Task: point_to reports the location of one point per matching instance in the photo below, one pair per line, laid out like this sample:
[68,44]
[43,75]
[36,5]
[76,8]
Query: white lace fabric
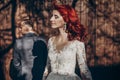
[64,61]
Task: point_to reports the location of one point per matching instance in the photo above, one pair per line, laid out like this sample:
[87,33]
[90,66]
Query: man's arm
[16,57]
[40,50]
[15,64]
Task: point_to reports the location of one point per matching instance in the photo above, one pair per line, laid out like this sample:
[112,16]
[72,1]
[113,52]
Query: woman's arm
[81,57]
[47,68]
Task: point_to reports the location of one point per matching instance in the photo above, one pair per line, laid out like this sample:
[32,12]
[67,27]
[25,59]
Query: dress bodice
[64,61]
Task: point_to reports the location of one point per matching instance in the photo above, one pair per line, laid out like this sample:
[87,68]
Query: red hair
[74,29]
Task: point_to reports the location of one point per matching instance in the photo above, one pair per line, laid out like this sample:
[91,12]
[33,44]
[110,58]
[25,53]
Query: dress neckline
[61,50]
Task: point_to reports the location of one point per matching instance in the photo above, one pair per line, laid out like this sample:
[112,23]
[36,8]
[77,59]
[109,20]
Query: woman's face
[57,20]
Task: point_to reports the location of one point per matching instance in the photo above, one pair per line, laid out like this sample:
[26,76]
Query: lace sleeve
[81,58]
[49,43]
[47,68]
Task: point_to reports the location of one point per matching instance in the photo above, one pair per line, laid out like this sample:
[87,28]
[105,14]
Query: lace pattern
[64,61]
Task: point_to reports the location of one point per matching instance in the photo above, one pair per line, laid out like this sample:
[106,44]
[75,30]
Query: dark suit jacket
[29,57]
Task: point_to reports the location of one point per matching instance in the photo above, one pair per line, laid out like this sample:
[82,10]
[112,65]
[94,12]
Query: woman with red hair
[66,47]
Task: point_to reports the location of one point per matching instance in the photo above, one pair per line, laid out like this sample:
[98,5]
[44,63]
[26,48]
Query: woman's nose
[51,19]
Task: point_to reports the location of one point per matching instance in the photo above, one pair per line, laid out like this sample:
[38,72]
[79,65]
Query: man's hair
[27,23]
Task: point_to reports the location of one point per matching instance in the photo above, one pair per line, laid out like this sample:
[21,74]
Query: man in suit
[29,50]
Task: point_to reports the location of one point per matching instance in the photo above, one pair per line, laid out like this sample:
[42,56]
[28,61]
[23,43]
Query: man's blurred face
[25,28]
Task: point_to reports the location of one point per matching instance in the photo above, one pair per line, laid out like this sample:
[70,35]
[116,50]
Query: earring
[65,25]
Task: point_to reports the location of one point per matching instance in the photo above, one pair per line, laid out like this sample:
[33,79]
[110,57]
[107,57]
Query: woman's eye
[56,17]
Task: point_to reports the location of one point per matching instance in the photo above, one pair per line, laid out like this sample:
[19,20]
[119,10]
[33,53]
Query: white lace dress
[63,63]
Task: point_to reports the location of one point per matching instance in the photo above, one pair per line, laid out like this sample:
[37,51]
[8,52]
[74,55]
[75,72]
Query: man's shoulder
[18,43]
[38,38]
[19,39]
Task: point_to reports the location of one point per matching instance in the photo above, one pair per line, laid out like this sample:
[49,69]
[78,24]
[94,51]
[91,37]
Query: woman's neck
[63,34]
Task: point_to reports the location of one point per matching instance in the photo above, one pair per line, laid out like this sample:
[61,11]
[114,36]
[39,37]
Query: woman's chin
[54,27]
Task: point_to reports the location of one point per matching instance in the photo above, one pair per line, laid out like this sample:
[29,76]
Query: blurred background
[100,17]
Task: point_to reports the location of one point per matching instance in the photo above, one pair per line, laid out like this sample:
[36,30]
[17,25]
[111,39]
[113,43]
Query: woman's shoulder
[51,38]
[79,42]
